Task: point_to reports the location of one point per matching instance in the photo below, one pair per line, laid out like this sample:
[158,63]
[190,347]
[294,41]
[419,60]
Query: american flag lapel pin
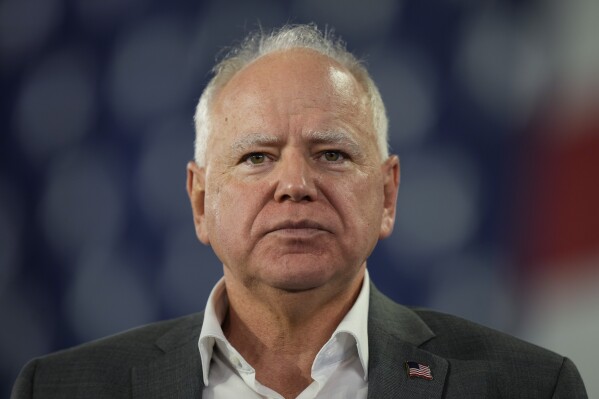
[417,370]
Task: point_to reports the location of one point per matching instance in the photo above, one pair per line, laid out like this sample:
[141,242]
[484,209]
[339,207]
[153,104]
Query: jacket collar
[178,372]
[395,334]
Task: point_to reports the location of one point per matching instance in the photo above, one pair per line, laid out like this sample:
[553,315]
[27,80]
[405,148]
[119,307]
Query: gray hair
[288,37]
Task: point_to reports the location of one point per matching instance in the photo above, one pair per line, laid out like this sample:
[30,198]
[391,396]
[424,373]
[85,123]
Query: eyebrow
[335,137]
[242,144]
[254,140]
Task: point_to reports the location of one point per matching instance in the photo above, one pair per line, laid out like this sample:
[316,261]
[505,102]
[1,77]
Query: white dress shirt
[340,369]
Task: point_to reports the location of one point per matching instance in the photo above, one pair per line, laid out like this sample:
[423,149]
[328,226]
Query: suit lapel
[394,334]
[178,372]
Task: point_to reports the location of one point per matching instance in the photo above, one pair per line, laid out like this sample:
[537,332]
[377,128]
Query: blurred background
[494,111]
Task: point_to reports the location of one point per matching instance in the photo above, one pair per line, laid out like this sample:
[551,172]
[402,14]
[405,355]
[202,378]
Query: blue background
[97,98]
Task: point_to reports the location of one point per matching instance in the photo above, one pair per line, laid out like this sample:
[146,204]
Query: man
[292,186]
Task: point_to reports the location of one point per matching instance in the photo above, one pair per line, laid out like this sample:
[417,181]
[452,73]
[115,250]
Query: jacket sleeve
[23,388]
[569,384]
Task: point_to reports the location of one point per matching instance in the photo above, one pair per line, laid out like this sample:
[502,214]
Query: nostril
[295,192]
[295,197]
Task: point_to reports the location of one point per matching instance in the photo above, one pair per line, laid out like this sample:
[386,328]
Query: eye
[255,158]
[333,156]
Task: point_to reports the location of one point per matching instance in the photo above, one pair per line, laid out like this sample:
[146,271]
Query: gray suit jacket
[466,361]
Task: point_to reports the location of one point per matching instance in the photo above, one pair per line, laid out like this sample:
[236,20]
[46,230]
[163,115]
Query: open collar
[394,331]
[353,324]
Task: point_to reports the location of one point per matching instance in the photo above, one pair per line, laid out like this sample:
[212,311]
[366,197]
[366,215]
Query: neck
[280,333]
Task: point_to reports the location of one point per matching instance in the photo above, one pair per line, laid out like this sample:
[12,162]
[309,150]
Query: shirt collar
[214,314]
[355,323]
[353,329]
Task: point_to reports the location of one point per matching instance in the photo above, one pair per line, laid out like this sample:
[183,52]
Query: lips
[296,227]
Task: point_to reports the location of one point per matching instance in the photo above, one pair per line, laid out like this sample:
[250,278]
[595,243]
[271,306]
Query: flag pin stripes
[417,370]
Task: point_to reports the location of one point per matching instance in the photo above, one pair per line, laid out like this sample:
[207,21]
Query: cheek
[229,212]
[364,202]
[213,207]
[218,208]
[224,225]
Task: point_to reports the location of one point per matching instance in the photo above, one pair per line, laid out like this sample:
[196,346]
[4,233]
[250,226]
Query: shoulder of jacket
[470,339]
[128,346]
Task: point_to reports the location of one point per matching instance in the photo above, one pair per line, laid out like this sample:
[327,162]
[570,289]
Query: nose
[295,180]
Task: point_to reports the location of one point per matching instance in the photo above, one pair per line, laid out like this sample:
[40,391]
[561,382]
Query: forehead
[289,82]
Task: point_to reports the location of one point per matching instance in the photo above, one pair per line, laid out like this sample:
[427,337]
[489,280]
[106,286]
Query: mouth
[302,228]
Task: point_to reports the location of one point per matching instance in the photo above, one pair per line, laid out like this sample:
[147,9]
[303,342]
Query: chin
[306,276]
[296,282]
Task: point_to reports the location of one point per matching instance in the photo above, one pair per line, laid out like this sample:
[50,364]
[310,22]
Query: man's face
[294,194]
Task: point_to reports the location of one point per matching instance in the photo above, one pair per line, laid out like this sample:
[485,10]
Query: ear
[196,189]
[390,169]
